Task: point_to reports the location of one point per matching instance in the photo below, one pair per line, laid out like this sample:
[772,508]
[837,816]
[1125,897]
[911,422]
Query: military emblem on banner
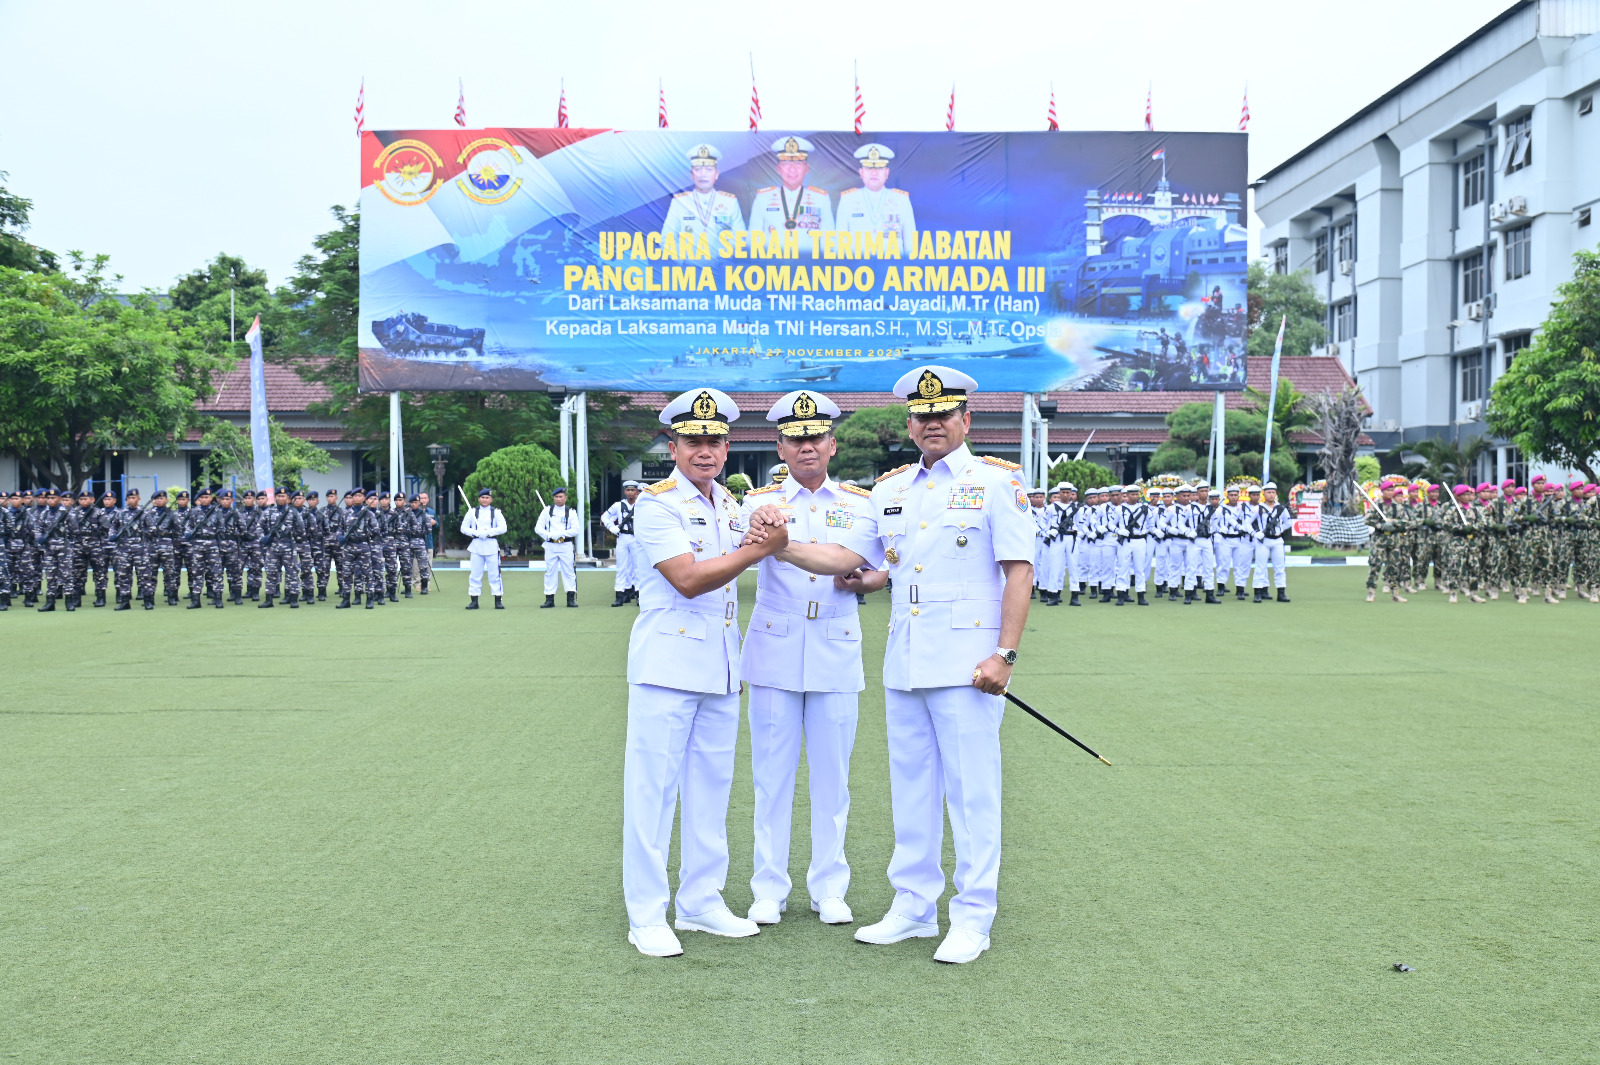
[489,170]
[966,497]
[408,172]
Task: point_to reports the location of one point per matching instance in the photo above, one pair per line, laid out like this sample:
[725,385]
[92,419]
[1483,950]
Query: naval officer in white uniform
[618,520]
[558,526]
[802,660]
[484,524]
[956,533]
[683,682]
[702,210]
[792,204]
[873,208]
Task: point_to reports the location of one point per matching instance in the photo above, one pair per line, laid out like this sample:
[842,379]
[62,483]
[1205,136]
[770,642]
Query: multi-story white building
[1439,219]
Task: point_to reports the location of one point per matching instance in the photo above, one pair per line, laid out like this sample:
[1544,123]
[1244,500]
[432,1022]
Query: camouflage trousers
[1461,564]
[91,555]
[1377,559]
[156,558]
[280,570]
[254,564]
[56,562]
[317,551]
[1560,557]
[233,564]
[5,569]
[389,547]
[306,569]
[1493,561]
[332,557]
[24,567]
[125,563]
[1427,551]
[416,554]
[183,561]
[205,569]
[1586,559]
[366,567]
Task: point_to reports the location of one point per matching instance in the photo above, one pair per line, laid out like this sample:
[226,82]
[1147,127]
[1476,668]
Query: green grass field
[394,836]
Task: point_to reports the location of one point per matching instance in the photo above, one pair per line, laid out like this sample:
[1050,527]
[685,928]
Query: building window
[1322,253]
[1516,465]
[1472,279]
[1519,143]
[1510,345]
[1280,258]
[1583,217]
[1586,104]
[1472,181]
[1345,241]
[1471,377]
[1519,252]
[1344,320]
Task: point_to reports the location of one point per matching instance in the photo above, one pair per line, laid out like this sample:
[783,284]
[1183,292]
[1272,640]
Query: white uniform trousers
[680,747]
[944,749]
[558,566]
[1270,553]
[1221,559]
[1161,559]
[778,720]
[1073,557]
[482,564]
[1199,566]
[1242,554]
[1133,564]
[629,557]
[1105,563]
[1055,565]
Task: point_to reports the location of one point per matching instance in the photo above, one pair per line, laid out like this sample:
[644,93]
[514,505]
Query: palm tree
[1291,412]
[1447,461]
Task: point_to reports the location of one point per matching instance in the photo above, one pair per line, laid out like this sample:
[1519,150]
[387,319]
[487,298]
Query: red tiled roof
[287,391]
[997,435]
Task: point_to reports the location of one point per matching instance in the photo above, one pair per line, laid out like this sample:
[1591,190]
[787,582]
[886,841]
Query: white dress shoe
[655,940]
[767,911]
[893,928]
[833,911]
[719,922]
[961,946]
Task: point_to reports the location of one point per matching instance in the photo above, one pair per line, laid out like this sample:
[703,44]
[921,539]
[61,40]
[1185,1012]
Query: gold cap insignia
[704,406]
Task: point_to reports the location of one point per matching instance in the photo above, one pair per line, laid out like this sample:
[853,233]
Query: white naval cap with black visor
[934,389]
[700,412]
[804,413]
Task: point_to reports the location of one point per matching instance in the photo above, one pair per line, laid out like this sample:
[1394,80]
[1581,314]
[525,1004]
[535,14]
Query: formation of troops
[1188,541]
[59,548]
[1485,540]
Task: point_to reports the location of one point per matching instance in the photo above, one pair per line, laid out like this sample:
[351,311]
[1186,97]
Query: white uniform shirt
[695,212]
[805,634]
[813,211]
[943,533]
[688,644]
[483,524]
[613,517]
[886,211]
[557,523]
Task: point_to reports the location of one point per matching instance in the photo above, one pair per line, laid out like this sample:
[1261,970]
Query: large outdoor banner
[659,260]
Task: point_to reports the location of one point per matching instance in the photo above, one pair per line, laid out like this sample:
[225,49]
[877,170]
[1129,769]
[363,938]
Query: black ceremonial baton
[1055,727]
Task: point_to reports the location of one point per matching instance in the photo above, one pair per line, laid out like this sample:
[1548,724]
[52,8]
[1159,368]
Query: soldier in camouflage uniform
[332,549]
[19,542]
[1586,563]
[250,508]
[115,522]
[417,544]
[304,532]
[358,538]
[183,514]
[89,547]
[230,545]
[9,510]
[206,526]
[32,560]
[390,544]
[1380,546]
[1492,539]
[317,529]
[278,522]
[52,536]
[159,529]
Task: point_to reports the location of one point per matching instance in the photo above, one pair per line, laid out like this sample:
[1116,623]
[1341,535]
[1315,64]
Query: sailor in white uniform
[1041,532]
[683,682]
[873,208]
[956,534]
[618,520]
[482,524]
[802,661]
[558,526]
[702,210]
[792,204]
[1276,521]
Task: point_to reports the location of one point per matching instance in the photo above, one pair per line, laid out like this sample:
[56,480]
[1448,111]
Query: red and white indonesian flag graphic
[1244,113]
[861,108]
[1149,115]
[361,109]
[950,112]
[461,104]
[1050,120]
[561,109]
[1159,153]
[661,106]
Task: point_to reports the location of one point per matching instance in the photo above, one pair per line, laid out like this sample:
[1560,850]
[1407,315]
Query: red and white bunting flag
[1244,112]
[755,97]
[361,108]
[861,108]
[461,104]
[1051,123]
[661,106]
[950,112]
[561,108]
[1149,115]
[1159,153]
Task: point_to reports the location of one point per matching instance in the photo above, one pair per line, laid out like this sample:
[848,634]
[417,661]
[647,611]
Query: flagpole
[1272,399]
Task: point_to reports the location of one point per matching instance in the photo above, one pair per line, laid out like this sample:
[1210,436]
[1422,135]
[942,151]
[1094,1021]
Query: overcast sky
[163,133]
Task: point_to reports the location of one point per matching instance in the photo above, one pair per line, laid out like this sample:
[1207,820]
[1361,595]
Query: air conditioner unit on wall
[1497,212]
[1472,411]
[1333,349]
[1517,205]
[1346,265]
[1391,426]
[1475,310]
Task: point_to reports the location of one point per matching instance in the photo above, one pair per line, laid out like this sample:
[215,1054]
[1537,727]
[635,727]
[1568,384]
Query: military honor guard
[702,210]
[484,524]
[558,526]
[802,661]
[1275,522]
[875,208]
[683,682]
[792,204]
[618,520]
[954,531]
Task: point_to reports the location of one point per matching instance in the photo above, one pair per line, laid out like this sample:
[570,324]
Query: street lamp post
[440,454]
[1118,454]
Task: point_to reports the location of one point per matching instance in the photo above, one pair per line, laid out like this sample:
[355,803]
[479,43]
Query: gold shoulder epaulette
[769,188]
[680,195]
[900,192]
[764,488]
[663,486]
[891,473]
[857,490]
[1002,463]
[813,188]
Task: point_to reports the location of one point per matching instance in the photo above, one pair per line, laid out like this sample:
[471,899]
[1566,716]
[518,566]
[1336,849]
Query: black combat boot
[344,603]
[424,589]
[49,605]
[1188,596]
[549,601]
[389,591]
[30,599]
[408,591]
[322,595]
[472,603]
[621,599]
[1283,595]
[293,601]
[1240,596]
[71,603]
[1142,600]
[1106,593]
[1033,593]
[5,600]
[1074,600]
[1161,590]
[1122,597]
[150,601]
[1260,596]
[237,599]
[572,598]
[254,596]
[124,602]
[216,600]
[99,598]
[499,603]
[370,603]
[267,605]
[1211,597]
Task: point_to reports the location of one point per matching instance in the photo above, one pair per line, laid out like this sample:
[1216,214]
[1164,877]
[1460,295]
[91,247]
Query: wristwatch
[1007,654]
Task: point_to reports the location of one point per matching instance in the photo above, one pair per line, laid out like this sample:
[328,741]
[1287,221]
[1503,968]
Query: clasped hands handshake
[769,530]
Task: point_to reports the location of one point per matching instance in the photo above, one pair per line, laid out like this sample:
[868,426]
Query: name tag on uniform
[966,497]
[891,510]
[697,521]
[840,519]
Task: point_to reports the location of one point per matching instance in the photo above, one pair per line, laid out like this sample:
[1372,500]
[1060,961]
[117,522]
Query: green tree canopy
[233,455]
[200,301]
[865,438]
[15,252]
[1271,296]
[518,474]
[1244,431]
[1082,473]
[83,371]
[1548,400]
